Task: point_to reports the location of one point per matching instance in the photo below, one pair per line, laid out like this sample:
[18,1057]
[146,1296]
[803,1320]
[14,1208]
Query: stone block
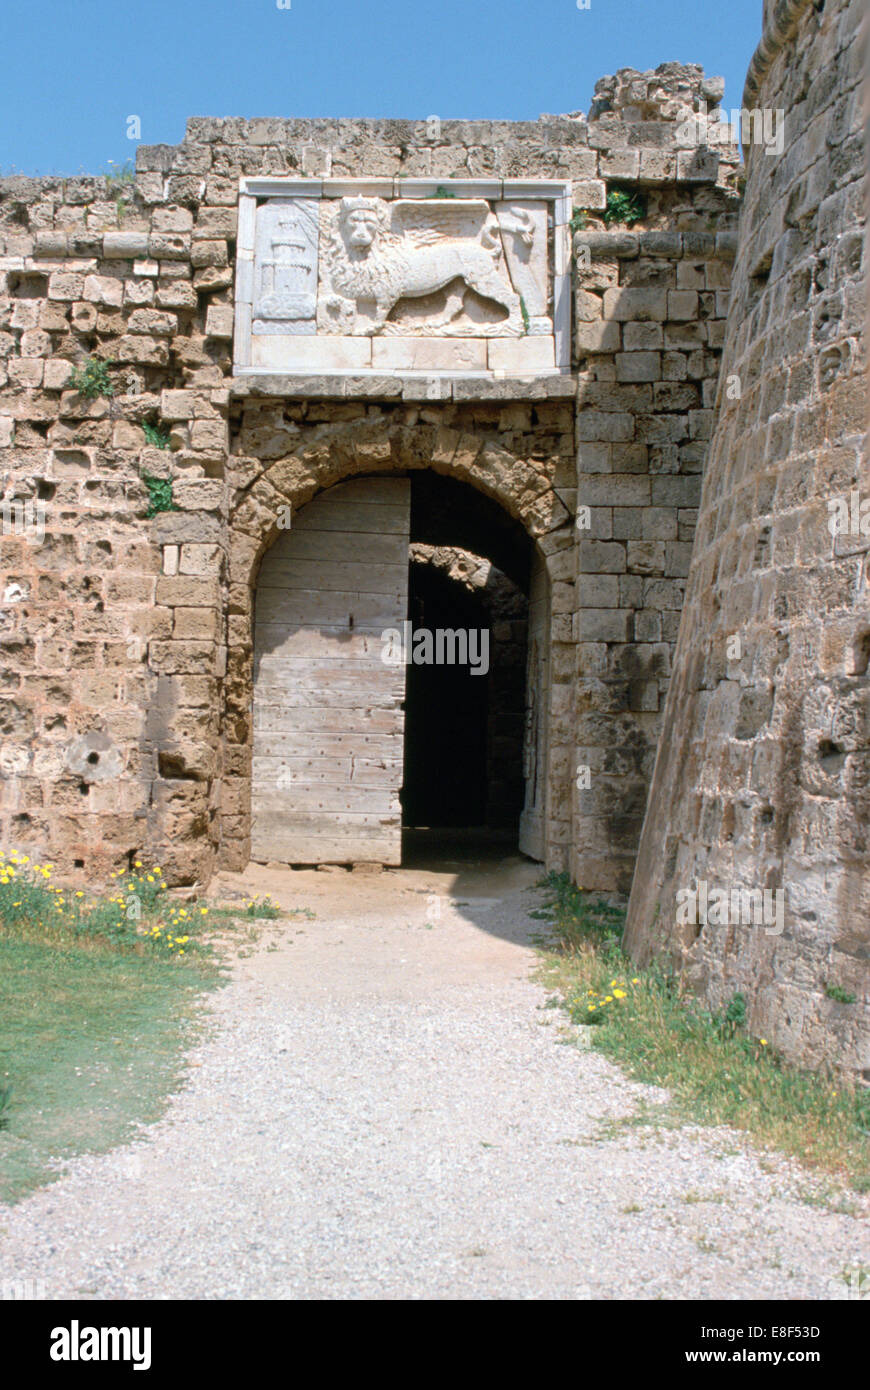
[639,337]
[682,305]
[604,426]
[599,557]
[285,352]
[103,289]
[219,321]
[529,354]
[597,337]
[66,286]
[638,366]
[428,354]
[603,625]
[589,193]
[642,305]
[124,246]
[177,405]
[208,253]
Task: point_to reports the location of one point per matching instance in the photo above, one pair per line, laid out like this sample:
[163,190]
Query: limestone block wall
[763,767]
[650,325]
[125,637]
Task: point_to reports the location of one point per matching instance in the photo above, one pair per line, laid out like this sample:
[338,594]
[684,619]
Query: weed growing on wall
[160,497]
[120,175]
[92,379]
[625,205]
[155,435]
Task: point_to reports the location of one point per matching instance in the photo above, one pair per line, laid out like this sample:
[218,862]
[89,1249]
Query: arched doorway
[376,700]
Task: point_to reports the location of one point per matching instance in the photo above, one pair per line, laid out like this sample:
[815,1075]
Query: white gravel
[385,1108]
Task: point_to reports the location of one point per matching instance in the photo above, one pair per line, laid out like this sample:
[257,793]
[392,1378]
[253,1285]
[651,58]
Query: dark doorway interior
[445,713]
[464,732]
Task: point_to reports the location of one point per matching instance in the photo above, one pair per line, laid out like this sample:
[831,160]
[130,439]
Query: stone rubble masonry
[764,762]
[125,709]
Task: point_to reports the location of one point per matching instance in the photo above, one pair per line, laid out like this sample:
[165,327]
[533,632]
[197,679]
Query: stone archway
[333,453]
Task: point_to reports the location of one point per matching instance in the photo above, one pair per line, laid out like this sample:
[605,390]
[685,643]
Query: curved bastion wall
[762,782]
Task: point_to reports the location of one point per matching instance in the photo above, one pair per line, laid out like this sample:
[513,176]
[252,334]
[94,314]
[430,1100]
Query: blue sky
[75,71]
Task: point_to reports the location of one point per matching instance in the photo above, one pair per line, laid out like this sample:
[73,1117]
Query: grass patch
[99,996]
[715,1071]
[91,1043]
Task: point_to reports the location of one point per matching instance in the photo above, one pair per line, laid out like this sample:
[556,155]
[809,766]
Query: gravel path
[385,1108]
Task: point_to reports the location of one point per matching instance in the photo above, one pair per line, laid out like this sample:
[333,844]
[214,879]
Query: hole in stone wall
[28,286]
[859,656]
[171,765]
[832,756]
[78,863]
[758,278]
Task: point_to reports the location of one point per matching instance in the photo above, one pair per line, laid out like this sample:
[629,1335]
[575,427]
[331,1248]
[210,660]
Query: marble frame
[512,358]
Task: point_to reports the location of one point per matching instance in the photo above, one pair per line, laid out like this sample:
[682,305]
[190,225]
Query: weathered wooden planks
[328,718]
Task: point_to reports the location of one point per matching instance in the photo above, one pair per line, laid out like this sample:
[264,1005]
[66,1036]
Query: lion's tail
[490,237]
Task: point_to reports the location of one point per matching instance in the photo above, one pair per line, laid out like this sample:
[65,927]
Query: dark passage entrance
[445,711]
[469,573]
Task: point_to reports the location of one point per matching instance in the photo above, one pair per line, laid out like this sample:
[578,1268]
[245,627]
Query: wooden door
[533,819]
[328,717]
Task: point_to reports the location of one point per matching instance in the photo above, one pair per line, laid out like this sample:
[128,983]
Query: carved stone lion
[369,269]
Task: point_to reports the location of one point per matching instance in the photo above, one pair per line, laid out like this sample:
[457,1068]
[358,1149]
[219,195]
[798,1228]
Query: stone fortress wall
[125,709]
[763,773]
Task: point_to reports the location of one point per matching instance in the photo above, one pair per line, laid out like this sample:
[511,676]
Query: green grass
[715,1071]
[99,995]
[91,1043]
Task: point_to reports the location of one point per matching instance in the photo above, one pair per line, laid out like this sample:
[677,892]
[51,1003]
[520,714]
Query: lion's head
[362,222]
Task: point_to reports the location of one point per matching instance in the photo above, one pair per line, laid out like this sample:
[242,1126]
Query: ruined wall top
[670,92]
